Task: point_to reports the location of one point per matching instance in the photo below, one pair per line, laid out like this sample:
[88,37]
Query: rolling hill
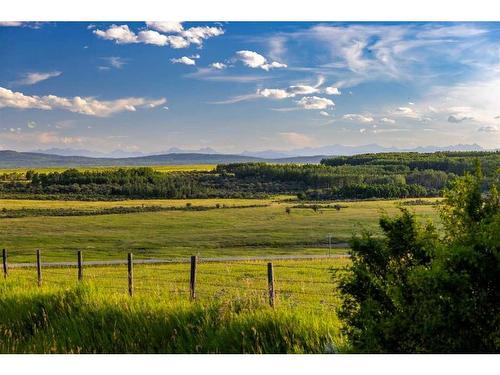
[14,159]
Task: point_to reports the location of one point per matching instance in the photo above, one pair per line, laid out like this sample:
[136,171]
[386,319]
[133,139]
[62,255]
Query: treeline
[450,162]
[391,175]
[133,183]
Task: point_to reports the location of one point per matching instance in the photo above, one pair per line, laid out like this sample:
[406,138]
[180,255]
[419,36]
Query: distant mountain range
[119,153]
[335,149]
[353,150]
[70,157]
[14,159]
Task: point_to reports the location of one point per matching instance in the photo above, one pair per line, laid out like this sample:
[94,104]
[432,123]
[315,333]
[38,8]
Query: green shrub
[413,291]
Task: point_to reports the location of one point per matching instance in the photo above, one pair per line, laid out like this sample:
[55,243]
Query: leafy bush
[414,291]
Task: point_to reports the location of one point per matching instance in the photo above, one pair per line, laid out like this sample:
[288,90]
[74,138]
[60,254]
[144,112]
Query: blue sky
[147,87]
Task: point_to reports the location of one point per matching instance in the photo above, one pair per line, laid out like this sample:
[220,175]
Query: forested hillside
[392,175]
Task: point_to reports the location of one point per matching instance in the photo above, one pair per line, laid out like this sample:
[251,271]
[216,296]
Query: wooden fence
[267,267]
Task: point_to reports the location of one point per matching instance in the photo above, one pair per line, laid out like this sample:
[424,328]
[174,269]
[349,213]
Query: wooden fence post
[130,274]
[39,266]
[270,283]
[4,261]
[192,280]
[80,265]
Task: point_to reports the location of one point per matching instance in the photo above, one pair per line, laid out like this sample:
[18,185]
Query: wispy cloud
[35,77]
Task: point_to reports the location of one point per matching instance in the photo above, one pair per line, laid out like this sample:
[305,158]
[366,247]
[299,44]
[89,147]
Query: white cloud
[251,59]
[356,53]
[120,34]
[86,105]
[324,113]
[358,118]
[273,65]
[315,102]
[11,23]
[183,60]
[177,42]
[302,90]
[35,77]
[218,65]
[406,112]
[196,35]
[165,27]
[152,37]
[254,60]
[332,90]
[387,120]
[275,93]
[453,31]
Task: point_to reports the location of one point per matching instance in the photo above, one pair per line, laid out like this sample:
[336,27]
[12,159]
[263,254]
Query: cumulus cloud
[274,93]
[152,37]
[35,77]
[184,60]
[332,90]
[120,34]
[254,60]
[218,65]
[196,35]
[177,42]
[315,102]
[83,105]
[324,113]
[165,27]
[358,118]
[178,37]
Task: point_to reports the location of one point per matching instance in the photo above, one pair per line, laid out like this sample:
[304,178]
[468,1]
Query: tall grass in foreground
[85,319]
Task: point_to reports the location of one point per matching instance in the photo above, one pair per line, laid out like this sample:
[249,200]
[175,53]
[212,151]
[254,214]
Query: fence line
[44,271]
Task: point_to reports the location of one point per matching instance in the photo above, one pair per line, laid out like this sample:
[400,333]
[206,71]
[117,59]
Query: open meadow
[204,227]
[231,313]
[158,168]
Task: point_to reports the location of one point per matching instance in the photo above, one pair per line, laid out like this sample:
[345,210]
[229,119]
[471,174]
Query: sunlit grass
[231,313]
[267,230]
[159,168]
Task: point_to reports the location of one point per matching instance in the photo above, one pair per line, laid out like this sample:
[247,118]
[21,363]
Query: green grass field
[267,230]
[159,168]
[230,315]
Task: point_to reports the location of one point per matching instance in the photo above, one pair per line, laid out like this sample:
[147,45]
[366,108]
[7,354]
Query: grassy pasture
[231,314]
[159,168]
[267,230]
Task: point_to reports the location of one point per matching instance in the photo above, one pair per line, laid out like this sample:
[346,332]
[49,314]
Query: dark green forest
[386,175]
